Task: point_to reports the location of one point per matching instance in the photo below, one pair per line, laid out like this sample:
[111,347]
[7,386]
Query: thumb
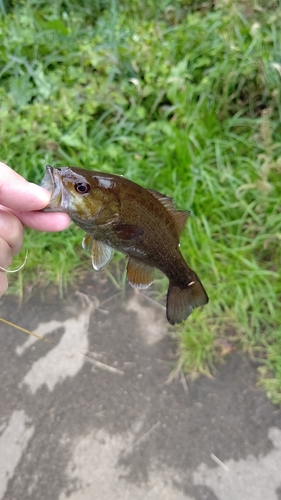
[18,194]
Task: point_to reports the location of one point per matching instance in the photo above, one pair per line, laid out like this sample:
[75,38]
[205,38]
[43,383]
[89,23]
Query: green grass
[178,96]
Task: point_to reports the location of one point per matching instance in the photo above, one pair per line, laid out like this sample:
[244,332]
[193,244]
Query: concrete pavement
[92,417]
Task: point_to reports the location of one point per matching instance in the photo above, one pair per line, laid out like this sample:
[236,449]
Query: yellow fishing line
[26,331]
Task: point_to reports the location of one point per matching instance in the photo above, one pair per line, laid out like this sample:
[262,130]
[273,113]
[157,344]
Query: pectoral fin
[139,275]
[127,231]
[101,253]
[87,242]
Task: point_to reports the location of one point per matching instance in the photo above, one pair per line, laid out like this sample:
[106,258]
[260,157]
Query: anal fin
[139,275]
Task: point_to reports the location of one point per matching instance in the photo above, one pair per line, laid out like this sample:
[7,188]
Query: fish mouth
[53,183]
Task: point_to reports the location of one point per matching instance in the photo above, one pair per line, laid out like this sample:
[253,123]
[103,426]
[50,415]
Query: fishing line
[12,324]
[15,270]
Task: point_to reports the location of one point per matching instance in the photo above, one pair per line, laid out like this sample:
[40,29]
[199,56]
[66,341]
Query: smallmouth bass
[118,214]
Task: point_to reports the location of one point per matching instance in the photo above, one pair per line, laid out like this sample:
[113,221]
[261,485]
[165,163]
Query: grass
[182,97]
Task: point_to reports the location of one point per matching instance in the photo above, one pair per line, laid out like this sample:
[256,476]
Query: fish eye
[82,187]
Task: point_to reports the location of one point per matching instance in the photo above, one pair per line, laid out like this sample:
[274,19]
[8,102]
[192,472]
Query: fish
[145,225]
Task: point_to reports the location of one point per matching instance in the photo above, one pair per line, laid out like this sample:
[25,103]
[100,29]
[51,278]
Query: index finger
[19,194]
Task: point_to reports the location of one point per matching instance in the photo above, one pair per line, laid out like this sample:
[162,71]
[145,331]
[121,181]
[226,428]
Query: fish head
[52,182]
[81,194]
[67,188]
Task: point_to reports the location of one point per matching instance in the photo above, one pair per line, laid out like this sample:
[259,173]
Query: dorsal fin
[180,216]
[168,202]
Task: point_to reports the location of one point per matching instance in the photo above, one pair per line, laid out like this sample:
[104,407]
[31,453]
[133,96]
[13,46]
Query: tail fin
[181,302]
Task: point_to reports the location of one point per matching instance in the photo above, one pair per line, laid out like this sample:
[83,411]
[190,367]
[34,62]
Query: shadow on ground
[92,416]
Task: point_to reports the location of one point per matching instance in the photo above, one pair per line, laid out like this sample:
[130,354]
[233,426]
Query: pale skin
[20,202]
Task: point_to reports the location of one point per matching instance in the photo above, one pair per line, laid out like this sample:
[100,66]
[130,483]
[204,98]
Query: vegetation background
[183,97]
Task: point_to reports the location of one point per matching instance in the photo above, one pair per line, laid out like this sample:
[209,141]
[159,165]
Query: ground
[95,415]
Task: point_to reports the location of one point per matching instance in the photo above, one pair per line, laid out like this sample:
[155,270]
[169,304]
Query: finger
[11,230]
[42,221]
[5,254]
[18,194]
[3,283]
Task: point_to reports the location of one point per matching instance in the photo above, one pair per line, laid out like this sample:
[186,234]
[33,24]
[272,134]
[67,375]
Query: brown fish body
[157,244]
[117,213]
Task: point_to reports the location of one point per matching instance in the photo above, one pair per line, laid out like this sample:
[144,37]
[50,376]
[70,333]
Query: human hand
[19,204]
